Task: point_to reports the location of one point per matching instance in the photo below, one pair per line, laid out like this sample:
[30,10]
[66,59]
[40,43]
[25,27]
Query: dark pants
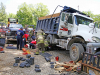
[32,46]
[23,42]
[19,42]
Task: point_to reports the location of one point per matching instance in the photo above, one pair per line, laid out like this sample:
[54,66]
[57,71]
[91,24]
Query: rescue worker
[40,41]
[33,44]
[20,34]
[25,37]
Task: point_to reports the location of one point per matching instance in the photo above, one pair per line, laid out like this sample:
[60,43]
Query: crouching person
[33,44]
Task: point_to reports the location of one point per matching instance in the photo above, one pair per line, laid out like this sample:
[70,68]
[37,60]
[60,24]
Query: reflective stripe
[46,43]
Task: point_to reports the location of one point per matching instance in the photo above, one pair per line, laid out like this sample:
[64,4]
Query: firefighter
[40,41]
[20,34]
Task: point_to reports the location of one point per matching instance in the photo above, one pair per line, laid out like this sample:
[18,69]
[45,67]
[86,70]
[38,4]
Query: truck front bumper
[92,47]
[11,38]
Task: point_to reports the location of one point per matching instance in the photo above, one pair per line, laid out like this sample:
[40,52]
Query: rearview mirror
[91,25]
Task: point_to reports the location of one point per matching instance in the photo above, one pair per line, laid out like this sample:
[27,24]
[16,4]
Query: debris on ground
[7,61]
[27,62]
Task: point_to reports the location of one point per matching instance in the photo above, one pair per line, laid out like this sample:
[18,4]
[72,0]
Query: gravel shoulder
[7,60]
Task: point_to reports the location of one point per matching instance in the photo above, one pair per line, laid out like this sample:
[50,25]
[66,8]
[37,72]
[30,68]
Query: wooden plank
[91,66]
[49,16]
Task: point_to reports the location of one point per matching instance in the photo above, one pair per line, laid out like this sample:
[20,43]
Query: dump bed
[48,23]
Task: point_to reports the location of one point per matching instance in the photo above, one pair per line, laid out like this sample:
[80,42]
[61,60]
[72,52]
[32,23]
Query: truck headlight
[96,39]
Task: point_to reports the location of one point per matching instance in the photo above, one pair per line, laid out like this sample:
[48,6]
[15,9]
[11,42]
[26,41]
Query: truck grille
[13,33]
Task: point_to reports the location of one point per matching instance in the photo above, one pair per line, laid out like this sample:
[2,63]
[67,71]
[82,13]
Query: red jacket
[25,36]
[33,42]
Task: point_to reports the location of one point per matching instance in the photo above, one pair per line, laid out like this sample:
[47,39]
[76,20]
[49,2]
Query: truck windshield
[82,20]
[15,26]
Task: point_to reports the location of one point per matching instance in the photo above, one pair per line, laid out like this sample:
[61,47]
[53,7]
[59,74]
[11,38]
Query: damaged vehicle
[11,32]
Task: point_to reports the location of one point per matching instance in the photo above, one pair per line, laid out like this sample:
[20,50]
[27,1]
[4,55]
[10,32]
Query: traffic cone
[24,50]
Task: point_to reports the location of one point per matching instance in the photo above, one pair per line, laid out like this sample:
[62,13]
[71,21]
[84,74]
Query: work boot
[42,51]
[36,53]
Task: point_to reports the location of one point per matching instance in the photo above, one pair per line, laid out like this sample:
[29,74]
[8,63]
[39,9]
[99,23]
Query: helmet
[21,28]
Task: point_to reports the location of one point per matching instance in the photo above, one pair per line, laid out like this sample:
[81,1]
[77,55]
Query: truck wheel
[76,51]
[49,38]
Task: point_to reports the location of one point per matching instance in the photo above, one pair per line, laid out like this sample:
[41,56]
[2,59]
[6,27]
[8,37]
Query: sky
[84,5]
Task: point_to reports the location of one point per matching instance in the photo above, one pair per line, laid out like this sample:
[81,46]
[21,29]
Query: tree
[89,13]
[28,14]
[11,15]
[3,17]
[40,10]
[96,18]
[25,15]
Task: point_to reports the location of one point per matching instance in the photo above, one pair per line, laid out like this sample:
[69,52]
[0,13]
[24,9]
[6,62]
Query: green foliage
[40,10]
[28,14]
[96,18]
[24,15]
[11,15]
[3,15]
[89,13]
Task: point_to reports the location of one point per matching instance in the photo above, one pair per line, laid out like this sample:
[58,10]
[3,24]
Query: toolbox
[90,67]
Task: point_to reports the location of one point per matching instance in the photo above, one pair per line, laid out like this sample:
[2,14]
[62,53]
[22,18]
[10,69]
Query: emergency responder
[20,34]
[40,41]
[25,37]
[33,44]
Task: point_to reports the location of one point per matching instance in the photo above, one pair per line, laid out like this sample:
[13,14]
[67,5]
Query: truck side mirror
[91,25]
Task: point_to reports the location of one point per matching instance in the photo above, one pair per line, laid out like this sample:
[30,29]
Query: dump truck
[71,30]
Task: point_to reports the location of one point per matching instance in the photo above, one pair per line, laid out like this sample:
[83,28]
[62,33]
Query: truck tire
[76,51]
[49,38]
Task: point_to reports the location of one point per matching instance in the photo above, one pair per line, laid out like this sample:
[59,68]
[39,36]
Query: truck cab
[71,24]
[11,32]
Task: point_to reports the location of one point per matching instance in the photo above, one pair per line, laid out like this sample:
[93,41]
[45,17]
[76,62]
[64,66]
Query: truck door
[66,25]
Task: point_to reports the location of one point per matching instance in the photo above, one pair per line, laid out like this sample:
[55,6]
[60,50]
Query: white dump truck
[70,29]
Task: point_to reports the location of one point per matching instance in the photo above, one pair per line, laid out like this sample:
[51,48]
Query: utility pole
[78,7]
